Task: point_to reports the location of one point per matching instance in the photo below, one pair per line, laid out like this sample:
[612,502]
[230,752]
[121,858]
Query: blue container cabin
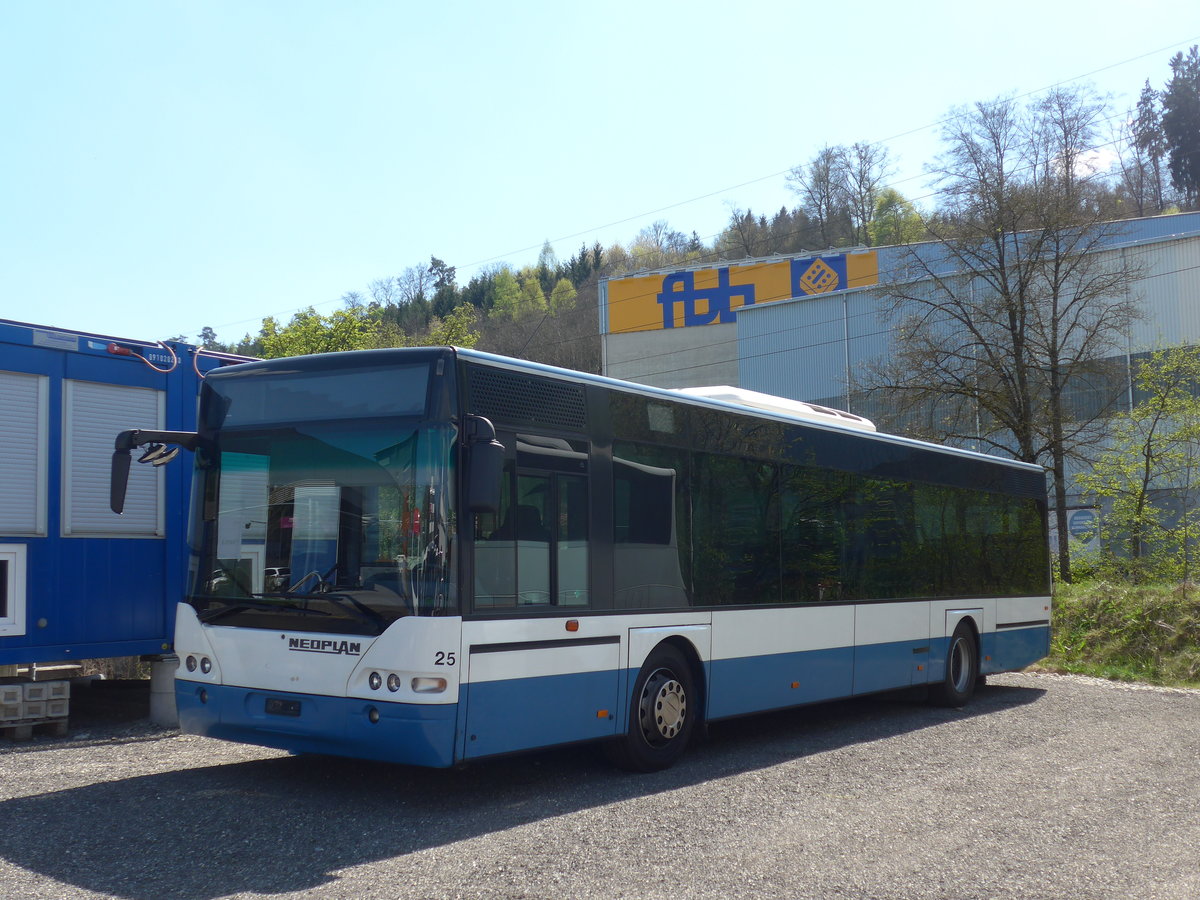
[76,580]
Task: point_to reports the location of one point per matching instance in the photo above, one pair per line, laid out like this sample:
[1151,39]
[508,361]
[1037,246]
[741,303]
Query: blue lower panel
[884,667]
[523,713]
[405,733]
[757,683]
[1014,648]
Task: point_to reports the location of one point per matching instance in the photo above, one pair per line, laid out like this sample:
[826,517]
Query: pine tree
[1181,124]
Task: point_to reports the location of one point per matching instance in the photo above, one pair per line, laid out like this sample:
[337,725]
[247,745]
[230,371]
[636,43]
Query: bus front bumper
[408,733]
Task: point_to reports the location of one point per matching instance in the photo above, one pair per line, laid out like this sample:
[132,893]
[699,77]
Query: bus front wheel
[962,670]
[662,715]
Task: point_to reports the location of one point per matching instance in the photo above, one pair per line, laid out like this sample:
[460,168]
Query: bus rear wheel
[962,670]
[662,715]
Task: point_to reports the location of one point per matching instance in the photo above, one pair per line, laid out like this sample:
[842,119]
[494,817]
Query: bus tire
[962,670]
[663,712]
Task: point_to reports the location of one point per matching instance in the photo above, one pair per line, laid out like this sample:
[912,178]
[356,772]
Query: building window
[12,589]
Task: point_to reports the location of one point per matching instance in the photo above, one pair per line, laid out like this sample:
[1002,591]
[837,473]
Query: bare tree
[1017,311]
[658,245]
[745,236]
[414,284]
[821,187]
[863,168]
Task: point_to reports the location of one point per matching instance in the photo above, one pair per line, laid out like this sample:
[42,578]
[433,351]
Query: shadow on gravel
[288,824]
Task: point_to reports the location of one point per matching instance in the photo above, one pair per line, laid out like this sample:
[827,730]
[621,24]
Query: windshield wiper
[210,615]
[360,610]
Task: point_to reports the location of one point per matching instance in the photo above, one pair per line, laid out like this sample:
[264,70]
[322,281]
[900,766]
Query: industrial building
[802,327]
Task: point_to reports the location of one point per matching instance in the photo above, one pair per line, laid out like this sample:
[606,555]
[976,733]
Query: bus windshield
[340,526]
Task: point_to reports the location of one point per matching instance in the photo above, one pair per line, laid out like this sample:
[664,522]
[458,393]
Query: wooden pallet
[23,729]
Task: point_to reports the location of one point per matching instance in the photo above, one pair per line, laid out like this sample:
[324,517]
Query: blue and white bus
[435,555]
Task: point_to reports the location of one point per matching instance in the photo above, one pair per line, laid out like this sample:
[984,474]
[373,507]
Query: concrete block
[58,690]
[35,692]
[57,709]
[33,709]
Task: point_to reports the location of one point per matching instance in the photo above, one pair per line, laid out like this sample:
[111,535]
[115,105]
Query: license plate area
[277,706]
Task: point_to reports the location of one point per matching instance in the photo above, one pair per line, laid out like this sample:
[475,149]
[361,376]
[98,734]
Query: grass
[1127,632]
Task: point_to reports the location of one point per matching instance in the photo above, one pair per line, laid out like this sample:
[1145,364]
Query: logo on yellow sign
[713,296]
[819,279]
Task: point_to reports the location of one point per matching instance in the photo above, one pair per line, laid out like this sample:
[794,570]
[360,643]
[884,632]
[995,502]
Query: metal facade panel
[798,348]
[674,357]
[794,349]
[1170,295]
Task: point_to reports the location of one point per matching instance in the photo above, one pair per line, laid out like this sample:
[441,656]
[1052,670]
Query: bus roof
[722,397]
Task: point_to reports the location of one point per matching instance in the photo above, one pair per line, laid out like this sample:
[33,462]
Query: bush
[1130,632]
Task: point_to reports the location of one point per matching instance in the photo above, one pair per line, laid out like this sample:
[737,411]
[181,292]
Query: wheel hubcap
[662,707]
[959,672]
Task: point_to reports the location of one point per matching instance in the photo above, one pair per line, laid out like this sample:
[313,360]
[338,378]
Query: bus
[435,555]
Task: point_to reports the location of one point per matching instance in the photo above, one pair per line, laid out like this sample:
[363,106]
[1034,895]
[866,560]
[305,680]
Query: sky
[168,165]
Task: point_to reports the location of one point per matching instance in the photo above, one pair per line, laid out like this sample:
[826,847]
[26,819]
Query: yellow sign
[708,296]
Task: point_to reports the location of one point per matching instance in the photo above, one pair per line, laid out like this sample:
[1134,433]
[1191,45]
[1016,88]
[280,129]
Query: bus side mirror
[162,447]
[119,480]
[485,465]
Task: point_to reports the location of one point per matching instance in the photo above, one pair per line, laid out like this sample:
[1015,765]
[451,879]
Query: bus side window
[529,524]
[814,532]
[651,536]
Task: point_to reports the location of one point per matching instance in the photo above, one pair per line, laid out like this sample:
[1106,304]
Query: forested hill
[1136,162]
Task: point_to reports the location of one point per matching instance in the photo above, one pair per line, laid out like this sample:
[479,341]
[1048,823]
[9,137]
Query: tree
[1015,313]
[658,246]
[862,169]
[820,186]
[745,236]
[562,296]
[445,288]
[455,330]
[1148,478]
[896,220]
[1181,124]
[208,338]
[507,302]
[532,301]
[1151,146]
[311,332]
[547,267]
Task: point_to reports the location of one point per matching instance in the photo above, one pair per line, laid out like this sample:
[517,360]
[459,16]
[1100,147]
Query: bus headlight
[393,682]
[191,664]
[205,665]
[375,680]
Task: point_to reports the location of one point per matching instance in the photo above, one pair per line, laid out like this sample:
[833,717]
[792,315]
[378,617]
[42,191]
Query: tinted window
[283,397]
[735,522]
[651,534]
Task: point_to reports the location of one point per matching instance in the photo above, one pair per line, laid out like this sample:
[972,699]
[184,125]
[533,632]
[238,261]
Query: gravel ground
[1045,787]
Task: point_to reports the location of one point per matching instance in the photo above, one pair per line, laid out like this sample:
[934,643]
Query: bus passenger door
[533,681]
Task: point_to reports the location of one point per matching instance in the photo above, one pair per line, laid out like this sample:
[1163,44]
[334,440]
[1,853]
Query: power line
[758,180]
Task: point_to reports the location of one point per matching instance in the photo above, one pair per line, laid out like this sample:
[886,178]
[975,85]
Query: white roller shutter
[93,414]
[23,451]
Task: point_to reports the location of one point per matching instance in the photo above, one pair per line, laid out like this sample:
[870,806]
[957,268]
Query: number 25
[444,658]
